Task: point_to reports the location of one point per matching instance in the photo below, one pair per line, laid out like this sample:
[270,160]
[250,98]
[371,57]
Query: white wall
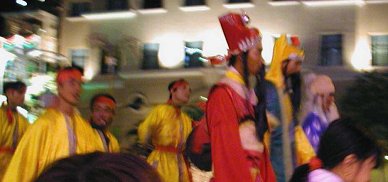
[307,22]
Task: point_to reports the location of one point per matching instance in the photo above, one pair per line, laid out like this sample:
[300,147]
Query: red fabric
[315,163]
[231,162]
[68,74]
[229,158]
[105,100]
[295,41]
[236,32]
[262,162]
[7,150]
[201,136]
[179,83]
[9,115]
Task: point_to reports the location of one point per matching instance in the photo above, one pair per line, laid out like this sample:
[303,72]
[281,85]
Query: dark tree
[366,102]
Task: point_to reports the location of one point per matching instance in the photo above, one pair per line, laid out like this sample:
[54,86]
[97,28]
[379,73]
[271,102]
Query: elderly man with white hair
[319,109]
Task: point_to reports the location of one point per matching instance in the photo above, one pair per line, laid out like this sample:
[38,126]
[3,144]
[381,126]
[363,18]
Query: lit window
[150,56]
[78,57]
[331,50]
[193,54]
[109,63]
[77,9]
[379,50]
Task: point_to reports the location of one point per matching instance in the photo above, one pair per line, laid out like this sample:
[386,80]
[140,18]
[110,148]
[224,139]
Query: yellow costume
[10,134]
[113,145]
[285,137]
[167,129]
[53,136]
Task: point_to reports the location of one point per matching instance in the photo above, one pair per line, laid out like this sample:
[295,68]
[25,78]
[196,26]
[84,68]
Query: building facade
[144,44]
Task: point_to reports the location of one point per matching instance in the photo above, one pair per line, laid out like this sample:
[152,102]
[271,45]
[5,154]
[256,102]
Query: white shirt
[322,175]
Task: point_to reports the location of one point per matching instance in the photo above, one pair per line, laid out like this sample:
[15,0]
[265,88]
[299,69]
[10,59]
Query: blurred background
[134,48]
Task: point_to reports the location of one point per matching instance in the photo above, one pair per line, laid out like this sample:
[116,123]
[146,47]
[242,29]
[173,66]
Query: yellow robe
[113,143]
[283,164]
[46,141]
[9,136]
[167,130]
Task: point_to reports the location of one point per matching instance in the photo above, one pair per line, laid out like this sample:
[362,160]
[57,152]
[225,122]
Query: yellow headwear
[282,51]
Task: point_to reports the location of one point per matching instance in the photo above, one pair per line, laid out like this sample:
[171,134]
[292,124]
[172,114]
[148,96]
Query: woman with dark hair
[345,154]
[98,167]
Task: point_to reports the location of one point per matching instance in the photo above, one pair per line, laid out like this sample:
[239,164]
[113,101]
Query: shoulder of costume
[162,107]
[221,85]
[49,115]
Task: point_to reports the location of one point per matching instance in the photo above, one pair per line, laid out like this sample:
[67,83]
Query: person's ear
[350,159]
[349,166]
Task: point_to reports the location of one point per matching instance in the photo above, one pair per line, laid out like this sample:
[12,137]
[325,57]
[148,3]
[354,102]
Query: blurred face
[181,95]
[365,171]
[16,97]
[102,114]
[294,66]
[362,173]
[255,60]
[70,90]
[327,101]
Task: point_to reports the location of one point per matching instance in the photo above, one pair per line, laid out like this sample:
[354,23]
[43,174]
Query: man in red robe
[236,127]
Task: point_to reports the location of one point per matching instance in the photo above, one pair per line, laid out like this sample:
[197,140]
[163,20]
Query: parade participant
[237,148]
[59,132]
[103,109]
[12,123]
[100,167]
[319,108]
[167,128]
[345,154]
[283,97]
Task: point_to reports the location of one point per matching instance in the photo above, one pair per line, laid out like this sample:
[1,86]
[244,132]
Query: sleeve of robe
[146,127]
[24,165]
[229,159]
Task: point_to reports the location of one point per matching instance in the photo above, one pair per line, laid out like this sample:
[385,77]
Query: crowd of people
[255,128]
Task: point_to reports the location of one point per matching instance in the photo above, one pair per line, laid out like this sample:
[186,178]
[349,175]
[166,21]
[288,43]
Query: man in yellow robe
[167,129]
[103,108]
[282,97]
[58,133]
[12,124]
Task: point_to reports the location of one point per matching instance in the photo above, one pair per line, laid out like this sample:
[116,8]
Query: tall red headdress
[239,37]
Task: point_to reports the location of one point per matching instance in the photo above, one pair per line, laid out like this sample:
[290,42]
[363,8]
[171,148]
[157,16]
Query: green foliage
[366,103]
